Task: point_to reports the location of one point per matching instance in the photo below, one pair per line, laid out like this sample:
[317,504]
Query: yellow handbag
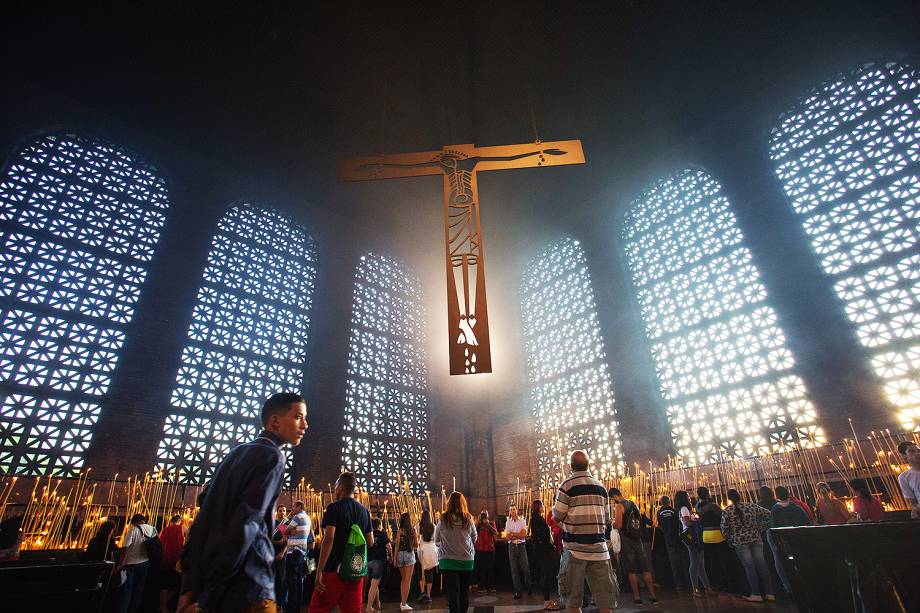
[712,536]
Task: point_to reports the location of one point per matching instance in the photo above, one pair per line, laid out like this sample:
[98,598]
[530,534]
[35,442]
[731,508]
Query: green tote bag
[354,559]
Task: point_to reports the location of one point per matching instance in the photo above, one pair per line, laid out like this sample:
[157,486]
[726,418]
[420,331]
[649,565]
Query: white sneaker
[771,598]
[404,607]
[756,598]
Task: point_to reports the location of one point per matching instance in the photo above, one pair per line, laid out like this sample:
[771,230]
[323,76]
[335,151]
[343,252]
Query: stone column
[644,429]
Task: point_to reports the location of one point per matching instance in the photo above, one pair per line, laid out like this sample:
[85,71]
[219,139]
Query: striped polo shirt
[584,512]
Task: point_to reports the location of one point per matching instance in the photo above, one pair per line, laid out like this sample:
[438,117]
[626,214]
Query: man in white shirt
[298,545]
[516,533]
[909,480]
[135,562]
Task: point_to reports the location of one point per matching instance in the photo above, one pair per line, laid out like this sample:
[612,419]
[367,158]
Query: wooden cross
[467,313]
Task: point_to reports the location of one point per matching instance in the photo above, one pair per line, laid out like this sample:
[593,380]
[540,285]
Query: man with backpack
[634,555]
[343,555]
[141,549]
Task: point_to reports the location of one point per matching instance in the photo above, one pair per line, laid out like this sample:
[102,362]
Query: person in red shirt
[867,506]
[556,529]
[173,538]
[485,553]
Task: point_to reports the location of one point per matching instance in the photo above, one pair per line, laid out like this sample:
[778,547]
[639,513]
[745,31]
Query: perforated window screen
[386,404]
[247,339]
[79,223]
[570,389]
[724,370]
[848,156]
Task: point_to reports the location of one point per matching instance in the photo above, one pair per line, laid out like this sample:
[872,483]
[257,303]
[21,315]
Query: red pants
[347,594]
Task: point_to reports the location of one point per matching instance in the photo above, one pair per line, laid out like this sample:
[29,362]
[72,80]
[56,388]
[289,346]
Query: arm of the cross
[530,155]
[373,167]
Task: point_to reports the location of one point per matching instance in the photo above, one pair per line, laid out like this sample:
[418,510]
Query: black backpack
[154,548]
[632,521]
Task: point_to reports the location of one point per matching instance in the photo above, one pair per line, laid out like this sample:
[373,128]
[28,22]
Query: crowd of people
[245,554]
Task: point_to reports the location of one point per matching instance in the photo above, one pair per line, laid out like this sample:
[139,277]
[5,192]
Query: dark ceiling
[284,90]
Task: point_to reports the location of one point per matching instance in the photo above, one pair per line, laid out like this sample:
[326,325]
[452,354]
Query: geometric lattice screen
[386,404]
[247,339]
[573,404]
[848,155]
[724,370]
[79,223]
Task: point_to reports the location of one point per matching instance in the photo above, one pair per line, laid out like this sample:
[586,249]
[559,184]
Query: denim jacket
[227,560]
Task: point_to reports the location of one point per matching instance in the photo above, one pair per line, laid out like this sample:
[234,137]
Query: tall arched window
[848,156]
[247,339]
[724,369]
[386,402]
[79,223]
[573,406]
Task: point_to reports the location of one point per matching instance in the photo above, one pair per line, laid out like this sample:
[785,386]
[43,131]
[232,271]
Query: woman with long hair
[867,506]
[406,544]
[455,536]
[742,524]
[102,546]
[831,510]
[427,557]
[377,557]
[765,497]
[545,558]
[699,580]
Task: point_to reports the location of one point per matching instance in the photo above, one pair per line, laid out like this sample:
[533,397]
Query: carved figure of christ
[467,310]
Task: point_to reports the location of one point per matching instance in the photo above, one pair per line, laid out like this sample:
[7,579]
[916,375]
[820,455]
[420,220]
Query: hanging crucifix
[467,314]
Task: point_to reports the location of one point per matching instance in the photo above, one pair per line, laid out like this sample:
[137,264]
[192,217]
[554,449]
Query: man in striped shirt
[583,511]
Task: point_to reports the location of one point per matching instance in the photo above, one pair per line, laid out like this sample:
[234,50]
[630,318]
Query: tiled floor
[670,602]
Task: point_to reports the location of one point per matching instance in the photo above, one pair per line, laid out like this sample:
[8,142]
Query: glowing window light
[79,223]
[573,404]
[723,367]
[848,155]
[246,341]
[386,404]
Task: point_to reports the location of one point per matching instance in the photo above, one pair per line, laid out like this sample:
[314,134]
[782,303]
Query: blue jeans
[779,567]
[697,568]
[751,556]
[280,582]
[293,571]
[132,590]
[520,567]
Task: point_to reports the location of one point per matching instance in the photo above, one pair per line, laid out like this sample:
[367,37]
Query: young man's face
[290,425]
[513,512]
[913,454]
[279,512]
